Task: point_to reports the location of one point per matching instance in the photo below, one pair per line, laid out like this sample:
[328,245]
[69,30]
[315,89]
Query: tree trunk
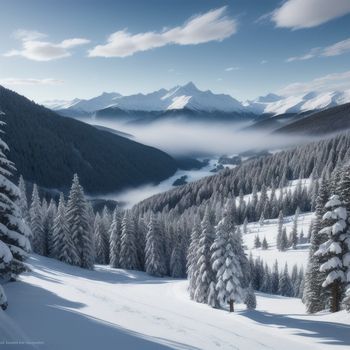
[230,302]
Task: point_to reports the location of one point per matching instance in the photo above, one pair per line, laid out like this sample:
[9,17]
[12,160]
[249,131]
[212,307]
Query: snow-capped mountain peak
[182,96]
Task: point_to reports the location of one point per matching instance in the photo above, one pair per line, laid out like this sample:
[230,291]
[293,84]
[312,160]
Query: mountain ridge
[189,97]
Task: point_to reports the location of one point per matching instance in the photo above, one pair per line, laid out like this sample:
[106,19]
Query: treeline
[275,281]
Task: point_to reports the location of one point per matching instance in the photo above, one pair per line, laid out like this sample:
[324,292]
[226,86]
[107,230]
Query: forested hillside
[48,149]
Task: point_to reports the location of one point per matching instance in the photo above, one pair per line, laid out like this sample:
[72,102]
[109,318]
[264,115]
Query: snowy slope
[180,97]
[291,256]
[57,306]
[275,104]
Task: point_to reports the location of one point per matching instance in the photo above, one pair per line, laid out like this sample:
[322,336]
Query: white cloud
[211,26]
[334,81]
[230,69]
[263,62]
[35,49]
[311,54]
[336,49]
[29,81]
[297,14]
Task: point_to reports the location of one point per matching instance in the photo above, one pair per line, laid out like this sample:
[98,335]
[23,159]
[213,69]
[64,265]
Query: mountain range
[193,100]
[48,149]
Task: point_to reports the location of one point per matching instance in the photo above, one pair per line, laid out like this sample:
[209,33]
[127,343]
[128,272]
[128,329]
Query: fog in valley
[202,140]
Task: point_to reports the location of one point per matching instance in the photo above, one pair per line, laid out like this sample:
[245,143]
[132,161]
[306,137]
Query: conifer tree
[100,242]
[78,223]
[313,296]
[14,232]
[275,278]
[62,244]
[128,250]
[279,230]
[192,257]
[335,250]
[294,232]
[285,286]
[257,243]
[115,238]
[176,268]
[264,244]
[36,223]
[23,201]
[226,265]
[250,299]
[205,272]
[155,264]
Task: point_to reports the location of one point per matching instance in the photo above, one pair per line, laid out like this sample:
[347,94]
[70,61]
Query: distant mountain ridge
[48,149]
[189,98]
[180,97]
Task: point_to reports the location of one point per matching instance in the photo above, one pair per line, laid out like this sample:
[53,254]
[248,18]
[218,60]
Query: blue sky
[61,49]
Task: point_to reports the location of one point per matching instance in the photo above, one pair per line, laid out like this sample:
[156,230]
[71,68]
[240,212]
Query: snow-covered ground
[292,256]
[57,306]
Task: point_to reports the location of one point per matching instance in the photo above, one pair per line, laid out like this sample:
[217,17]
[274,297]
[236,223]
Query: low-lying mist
[201,139]
[192,138]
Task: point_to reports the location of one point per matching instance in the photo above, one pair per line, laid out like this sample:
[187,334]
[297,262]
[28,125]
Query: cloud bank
[34,48]
[336,49]
[334,81]
[29,81]
[211,26]
[298,14]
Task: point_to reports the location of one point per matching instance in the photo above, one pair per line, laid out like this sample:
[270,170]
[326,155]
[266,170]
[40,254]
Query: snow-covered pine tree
[155,263]
[14,232]
[285,285]
[245,226]
[257,243]
[192,257]
[205,273]
[128,250]
[62,243]
[78,223]
[264,244]
[106,221]
[5,261]
[176,267]
[314,297]
[250,298]
[279,230]
[23,201]
[335,250]
[284,240]
[294,232]
[115,233]
[100,242]
[48,218]
[228,285]
[226,265]
[36,223]
[262,219]
[275,278]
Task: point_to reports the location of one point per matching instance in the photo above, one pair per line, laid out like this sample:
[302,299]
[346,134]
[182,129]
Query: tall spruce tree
[314,297]
[115,233]
[14,232]
[155,264]
[78,222]
[205,272]
[100,242]
[36,223]
[128,249]
[334,250]
[62,243]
